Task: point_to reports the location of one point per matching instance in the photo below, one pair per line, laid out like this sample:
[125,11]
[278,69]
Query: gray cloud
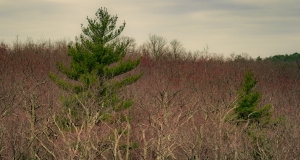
[253,26]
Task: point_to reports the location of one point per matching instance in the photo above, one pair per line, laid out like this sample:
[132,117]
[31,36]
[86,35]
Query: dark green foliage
[258,58]
[247,104]
[285,58]
[249,83]
[94,51]
[97,57]
[65,85]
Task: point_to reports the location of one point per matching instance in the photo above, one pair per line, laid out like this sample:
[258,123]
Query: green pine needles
[246,108]
[97,57]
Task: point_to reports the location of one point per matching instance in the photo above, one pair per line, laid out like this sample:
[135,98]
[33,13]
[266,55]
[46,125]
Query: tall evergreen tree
[97,57]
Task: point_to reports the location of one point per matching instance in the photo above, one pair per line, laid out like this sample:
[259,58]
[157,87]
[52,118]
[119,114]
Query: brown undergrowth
[178,113]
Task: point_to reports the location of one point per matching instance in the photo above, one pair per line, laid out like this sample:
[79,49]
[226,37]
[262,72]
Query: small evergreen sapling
[246,107]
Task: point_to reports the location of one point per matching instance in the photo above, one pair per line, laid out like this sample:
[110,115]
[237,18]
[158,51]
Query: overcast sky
[257,27]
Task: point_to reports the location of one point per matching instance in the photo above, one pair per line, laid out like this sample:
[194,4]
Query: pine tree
[97,57]
[247,108]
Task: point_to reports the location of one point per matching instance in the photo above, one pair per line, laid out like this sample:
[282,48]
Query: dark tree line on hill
[295,57]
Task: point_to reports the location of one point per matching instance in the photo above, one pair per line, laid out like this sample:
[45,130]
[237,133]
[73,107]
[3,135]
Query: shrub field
[181,109]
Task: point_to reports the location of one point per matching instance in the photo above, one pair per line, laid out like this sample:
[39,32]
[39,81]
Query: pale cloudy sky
[257,27]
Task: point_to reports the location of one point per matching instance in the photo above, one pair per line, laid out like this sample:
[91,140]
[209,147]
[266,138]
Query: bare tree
[155,46]
[176,48]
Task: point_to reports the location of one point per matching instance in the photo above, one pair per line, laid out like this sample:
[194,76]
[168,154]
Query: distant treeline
[286,58]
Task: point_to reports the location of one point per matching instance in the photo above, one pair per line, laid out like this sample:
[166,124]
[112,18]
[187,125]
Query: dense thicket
[180,109]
